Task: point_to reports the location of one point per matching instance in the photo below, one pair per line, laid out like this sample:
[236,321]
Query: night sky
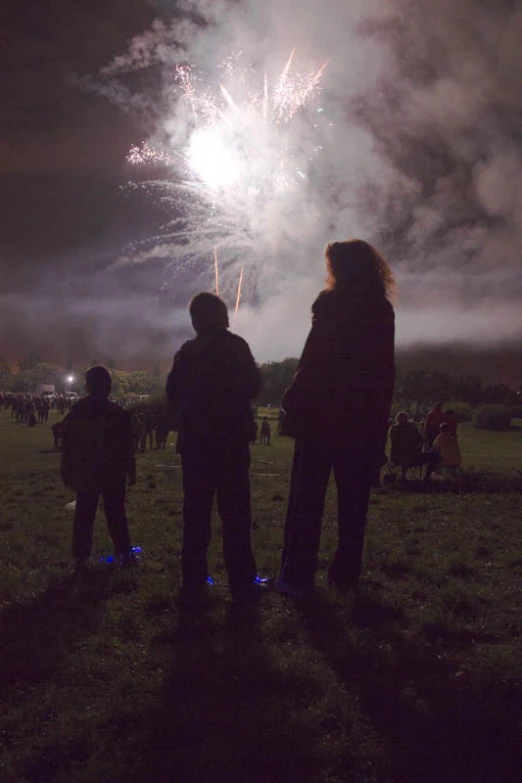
[62,166]
[62,148]
[424,158]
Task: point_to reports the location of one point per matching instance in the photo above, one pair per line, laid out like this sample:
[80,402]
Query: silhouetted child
[31,415]
[97,459]
[265,433]
[58,429]
[211,384]
[161,431]
[147,432]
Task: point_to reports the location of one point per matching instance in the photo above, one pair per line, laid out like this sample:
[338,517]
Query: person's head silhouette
[98,382]
[208,313]
[355,264]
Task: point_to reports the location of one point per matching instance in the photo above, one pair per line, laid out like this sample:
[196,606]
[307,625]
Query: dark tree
[276,378]
[30,360]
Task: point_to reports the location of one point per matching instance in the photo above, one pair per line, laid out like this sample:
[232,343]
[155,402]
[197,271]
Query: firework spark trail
[216,270]
[284,74]
[238,299]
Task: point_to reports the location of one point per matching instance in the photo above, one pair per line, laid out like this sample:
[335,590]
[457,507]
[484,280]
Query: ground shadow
[221,718]
[467,482]
[36,634]
[434,725]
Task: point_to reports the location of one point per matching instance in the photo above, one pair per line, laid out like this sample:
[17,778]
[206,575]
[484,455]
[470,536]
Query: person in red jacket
[434,419]
[337,408]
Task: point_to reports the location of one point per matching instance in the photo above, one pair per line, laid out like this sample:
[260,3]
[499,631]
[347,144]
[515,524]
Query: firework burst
[239,149]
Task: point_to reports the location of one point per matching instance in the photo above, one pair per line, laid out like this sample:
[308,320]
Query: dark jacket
[405,443]
[343,387]
[210,386]
[98,445]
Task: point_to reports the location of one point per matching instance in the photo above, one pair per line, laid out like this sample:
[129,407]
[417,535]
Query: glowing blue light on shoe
[210,581]
[134,550]
[261,580]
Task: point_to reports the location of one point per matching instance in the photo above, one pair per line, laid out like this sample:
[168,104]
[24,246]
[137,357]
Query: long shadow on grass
[222,718]
[434,725]
[35,635]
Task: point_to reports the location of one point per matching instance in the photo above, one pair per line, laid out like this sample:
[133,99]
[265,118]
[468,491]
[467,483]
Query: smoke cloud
[421,155]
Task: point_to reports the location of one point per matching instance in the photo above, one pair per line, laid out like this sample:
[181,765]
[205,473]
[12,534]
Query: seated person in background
[406,447]
[452,421]
[434,419]
[447,446]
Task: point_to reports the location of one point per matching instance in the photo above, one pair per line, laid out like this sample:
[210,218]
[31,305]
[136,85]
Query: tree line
[33,371]
[415,390]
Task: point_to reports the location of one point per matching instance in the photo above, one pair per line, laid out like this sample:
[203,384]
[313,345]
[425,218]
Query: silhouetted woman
[337,409]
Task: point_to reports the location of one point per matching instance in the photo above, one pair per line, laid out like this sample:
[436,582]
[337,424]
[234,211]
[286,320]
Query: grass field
[417,678]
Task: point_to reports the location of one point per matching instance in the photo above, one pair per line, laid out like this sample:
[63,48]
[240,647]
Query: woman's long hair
[357,265]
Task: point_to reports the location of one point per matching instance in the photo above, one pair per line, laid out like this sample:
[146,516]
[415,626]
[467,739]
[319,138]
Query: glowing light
[213,159]
[70,379]
[135,550]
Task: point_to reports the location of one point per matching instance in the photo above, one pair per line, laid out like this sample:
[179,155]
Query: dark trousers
[114,504]
[224,473]
[312,465]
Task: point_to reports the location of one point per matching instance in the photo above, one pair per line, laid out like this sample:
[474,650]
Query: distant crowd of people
[32,409]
